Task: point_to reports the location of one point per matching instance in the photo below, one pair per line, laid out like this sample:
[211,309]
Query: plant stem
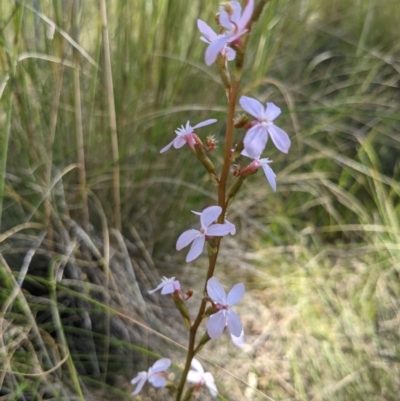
[232,97]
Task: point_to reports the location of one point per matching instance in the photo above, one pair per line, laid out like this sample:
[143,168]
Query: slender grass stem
[78,123]
[7,127]
[112,116]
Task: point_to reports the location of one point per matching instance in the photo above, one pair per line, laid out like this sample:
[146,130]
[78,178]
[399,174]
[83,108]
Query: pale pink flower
[225,316]
[199,378]
[167,286]
[186,135]
[209,36]
[256,164]
[198,237]
[257,136]
[154,376]
[234,23]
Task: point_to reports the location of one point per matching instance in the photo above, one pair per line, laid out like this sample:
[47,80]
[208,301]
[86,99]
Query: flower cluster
[234,24]
[228,45]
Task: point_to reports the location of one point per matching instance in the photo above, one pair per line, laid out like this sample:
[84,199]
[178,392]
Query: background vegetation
[91,211]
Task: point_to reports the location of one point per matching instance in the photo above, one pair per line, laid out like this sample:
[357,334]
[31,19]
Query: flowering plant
[227,46]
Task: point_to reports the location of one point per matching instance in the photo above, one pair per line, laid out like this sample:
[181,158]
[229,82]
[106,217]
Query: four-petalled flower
[198,237]
[225,315]
[257,136]
[209,36]
[186,135]
[199,378]
[155,375]
[167,286]
[234,22]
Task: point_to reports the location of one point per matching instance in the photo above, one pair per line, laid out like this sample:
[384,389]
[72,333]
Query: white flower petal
[216,324]
[186,238]
[219,230]
[210,383]
[252,106]
[237,11]
[214,48]
[247,13]
[179,141]
[168,289]
[196,249]
[161,365]
[224,19]
[194,377]
[272,111]
[206,122]
[238,341]
[161,285]
[255,141]
[164,149]
[234,323]
[235,294]
[157,381]
[230,53]
[141,380]
[206,31]
[209,215]
[196,365]
[280,138]
[215,291]
[233,227]
[269,173]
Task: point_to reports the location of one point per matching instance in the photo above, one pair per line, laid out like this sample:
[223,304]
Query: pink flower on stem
[257,136]
[209,36]
[186,135]
[155,375]
[256,164]
[235,24]
[225,316]
[167,286]
[208,229]
[199,378]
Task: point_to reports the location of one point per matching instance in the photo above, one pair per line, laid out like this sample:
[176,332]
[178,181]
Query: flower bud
[227,6]
[236,170]
[206,162]
[235,187]
[211,143]
[223,70]
[181,306]
[251,168]
[240,120]
[203,341]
